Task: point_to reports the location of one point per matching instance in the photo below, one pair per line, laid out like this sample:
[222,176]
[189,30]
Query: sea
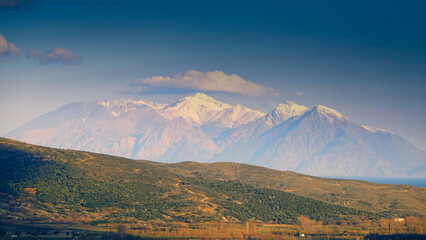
[417,182]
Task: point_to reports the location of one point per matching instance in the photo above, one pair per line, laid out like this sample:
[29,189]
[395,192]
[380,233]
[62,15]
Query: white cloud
[8,48]
[216,81]
[55,55]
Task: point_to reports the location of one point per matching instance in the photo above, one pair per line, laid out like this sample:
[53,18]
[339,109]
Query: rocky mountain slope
[317,141]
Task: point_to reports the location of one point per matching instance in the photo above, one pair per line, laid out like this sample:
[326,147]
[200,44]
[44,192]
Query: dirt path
[89,157]
[205,204]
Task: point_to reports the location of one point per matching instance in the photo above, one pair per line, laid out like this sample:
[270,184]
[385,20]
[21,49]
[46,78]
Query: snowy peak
[110,104]
[327,112]
[285,111]
[203,99]
[290,108]
[239,111]
[116,108]
[195,109]
[200,100]
[235,116]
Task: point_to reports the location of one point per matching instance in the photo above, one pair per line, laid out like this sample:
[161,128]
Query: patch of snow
[323,110]
[196,109]
[284,111]
[204,100]
[373,130]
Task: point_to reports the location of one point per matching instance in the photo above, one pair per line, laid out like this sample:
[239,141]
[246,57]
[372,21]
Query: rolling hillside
[45,184]
[379,198]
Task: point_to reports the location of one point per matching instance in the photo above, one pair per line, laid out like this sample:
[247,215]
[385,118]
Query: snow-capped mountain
[196,109]
[255,128]
[324,142]
[316,141]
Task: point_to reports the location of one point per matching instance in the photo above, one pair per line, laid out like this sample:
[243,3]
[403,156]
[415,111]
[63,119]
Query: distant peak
[120,102]
[288,103]
[323,110]
[290,106]
[198,102]
[285,111]
[201,95]
[201,98]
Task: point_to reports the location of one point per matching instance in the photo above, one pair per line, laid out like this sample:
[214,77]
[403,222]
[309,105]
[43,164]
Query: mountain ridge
[318,141]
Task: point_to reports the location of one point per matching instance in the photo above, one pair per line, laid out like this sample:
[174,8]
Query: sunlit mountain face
[316,141]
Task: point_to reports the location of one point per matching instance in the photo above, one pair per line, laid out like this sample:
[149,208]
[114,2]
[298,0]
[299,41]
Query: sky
[366,59]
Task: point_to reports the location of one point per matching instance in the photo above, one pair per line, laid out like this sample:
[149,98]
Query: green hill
[39,184]
[362,195]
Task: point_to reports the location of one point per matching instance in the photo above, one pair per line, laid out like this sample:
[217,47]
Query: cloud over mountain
[215,81]
[55,55]
[8,48]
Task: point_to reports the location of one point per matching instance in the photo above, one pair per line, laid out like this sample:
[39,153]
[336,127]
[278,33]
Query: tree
[415,225]
[122,230]
[305,223]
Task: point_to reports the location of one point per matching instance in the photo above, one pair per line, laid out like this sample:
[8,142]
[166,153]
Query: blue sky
[366,59]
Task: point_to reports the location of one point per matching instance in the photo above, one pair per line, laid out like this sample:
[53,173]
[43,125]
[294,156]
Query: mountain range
[317,141]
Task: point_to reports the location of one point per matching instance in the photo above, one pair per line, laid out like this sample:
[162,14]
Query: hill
[362,195]
[319,141]
[40,184]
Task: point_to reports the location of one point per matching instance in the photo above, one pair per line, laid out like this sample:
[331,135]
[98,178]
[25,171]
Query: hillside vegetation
[379,198]
[40,184]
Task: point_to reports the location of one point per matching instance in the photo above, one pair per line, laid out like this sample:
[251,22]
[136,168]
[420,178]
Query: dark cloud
[55,55]
[16,4]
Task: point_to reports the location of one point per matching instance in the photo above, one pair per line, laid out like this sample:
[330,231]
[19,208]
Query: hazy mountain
[317,141]
[254,129]
[324,142]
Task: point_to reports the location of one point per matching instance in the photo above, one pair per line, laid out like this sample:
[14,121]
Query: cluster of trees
[410,224]
[252,229]
[245,202]
[31,177]
[382,226]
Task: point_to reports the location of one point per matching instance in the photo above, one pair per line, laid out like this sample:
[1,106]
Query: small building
[398,219]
